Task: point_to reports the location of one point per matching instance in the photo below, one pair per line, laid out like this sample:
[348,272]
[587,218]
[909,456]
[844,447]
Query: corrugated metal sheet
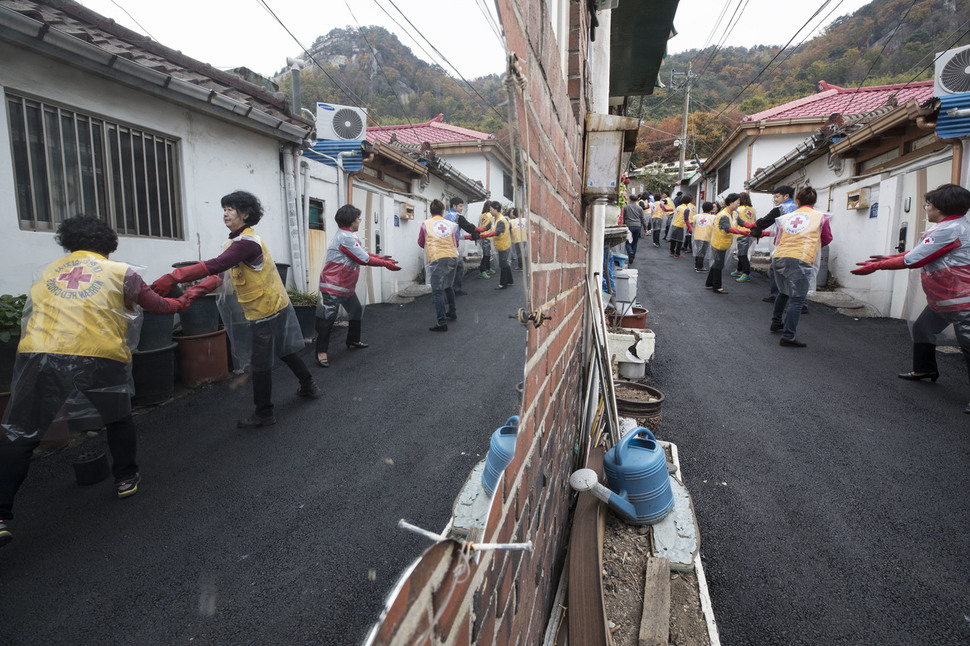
[948,127]
[326,151]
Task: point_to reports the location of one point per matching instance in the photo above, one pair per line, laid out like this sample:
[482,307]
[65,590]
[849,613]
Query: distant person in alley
[338,282]
[802,234]
[635,222]
[439,238]
[73,362]
[722,236]
[270,328]
[943,258]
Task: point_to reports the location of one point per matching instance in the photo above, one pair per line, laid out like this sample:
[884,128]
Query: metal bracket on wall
[536,318]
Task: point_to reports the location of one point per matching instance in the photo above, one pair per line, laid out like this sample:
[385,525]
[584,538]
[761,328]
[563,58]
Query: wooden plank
[586,610]
[655,621]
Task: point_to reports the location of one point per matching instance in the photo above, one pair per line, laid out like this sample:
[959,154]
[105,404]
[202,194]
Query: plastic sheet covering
[287,336]
[86,392]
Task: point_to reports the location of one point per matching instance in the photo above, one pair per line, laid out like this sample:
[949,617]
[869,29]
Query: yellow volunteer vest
[681,216]
[657,212]
[485,222]
[800,233]
[721,239]
[78,307]
[504,240]
[518,230]
[702,223]
[260,291]
[744,214]
[439,240]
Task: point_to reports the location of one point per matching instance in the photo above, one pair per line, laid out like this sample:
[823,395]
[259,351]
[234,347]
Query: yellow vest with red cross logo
[439,239]
[502,240]
[259,290]
[78,308]
[800,233]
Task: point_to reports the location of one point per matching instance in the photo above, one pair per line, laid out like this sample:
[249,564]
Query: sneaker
[791,343]
[484,275]
[452,316]
[439,328]
[776,327]
[491,272]
[736,273]
[255,421]
[5,535]
[744,278]
[309,390]
[461,292]
[129,487]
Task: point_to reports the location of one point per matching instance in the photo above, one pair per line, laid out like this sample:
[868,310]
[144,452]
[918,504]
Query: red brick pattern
[507,595]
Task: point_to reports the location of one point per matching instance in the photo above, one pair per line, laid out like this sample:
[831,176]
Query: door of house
[372,234]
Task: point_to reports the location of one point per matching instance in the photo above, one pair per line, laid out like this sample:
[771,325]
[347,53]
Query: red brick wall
[506,598]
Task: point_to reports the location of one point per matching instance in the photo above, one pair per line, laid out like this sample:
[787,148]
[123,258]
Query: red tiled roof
[832,99]
[433,132]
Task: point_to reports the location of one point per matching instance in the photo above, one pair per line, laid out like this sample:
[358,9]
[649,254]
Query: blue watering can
[636,472]
[501,450]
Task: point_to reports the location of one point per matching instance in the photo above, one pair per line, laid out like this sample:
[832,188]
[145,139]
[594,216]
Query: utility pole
[683,125]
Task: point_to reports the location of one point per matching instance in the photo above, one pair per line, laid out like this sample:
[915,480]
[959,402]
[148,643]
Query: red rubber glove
[164,285]
[203,288]
[384,261]
[740,232]
[869,266]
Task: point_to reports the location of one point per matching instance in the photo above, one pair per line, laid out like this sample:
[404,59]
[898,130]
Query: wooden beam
[655,620]
[586,609]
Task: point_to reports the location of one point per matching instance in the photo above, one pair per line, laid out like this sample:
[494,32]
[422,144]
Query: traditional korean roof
[81,37]
[832,99]
[435,131]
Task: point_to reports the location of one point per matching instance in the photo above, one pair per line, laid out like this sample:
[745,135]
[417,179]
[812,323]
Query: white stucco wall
[215,157]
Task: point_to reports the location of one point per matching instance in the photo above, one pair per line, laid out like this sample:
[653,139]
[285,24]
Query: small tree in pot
[305,306]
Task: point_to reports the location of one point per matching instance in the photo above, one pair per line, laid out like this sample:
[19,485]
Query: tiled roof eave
[47,40]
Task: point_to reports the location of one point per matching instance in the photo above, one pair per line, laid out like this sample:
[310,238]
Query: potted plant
[305,306]
[11,312]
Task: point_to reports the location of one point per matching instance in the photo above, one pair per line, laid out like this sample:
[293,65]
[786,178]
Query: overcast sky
[234,33]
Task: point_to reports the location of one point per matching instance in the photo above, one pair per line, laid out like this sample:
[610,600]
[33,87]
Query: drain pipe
[291,153]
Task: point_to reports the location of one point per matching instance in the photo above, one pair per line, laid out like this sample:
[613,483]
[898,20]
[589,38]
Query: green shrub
[11,311]
[302,298]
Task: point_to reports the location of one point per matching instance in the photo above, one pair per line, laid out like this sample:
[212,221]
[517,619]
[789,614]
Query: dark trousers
[15,460]
[324,326]
[744,265]
[504,267]
[441,271]
[675,247]
[925,329]
[631,247]
[656,234]
[263,383]
[486,264]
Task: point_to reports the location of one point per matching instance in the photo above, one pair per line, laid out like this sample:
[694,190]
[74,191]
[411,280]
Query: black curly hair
[246,204]
[87,233]
[346,215]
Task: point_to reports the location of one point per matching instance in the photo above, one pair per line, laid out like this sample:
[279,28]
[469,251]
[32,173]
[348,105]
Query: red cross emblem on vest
[75,277]
[796,224]
[441,229]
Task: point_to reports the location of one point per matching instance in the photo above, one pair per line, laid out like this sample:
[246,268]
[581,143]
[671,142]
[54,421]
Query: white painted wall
[216,158]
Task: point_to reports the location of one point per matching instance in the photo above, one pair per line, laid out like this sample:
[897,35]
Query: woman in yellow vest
[722,235]
[701,226]
[485,227]
[502,239]
[678,226]
[73,362]
[803,233]
[744,218]
[518,225]
[270,317]
[656,221]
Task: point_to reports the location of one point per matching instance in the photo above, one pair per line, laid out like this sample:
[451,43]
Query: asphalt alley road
[831,495]
[281,535]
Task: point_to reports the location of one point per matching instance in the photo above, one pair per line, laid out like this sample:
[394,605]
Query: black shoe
[461,292]
[323,363]
[720,291]
[6,536]
[501,287]
[452,316]
[129,487]
[768,299]
[255,421]
[777,327]
[439,328]
[804,309]
[309,390]
[357,345]
[918,376]
[791,343]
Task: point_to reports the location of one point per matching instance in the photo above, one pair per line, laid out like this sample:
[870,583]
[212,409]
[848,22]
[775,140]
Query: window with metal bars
[67,163]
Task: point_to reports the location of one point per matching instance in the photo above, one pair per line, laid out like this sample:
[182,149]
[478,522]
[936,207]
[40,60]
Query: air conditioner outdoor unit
[341,122]
[952,72]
